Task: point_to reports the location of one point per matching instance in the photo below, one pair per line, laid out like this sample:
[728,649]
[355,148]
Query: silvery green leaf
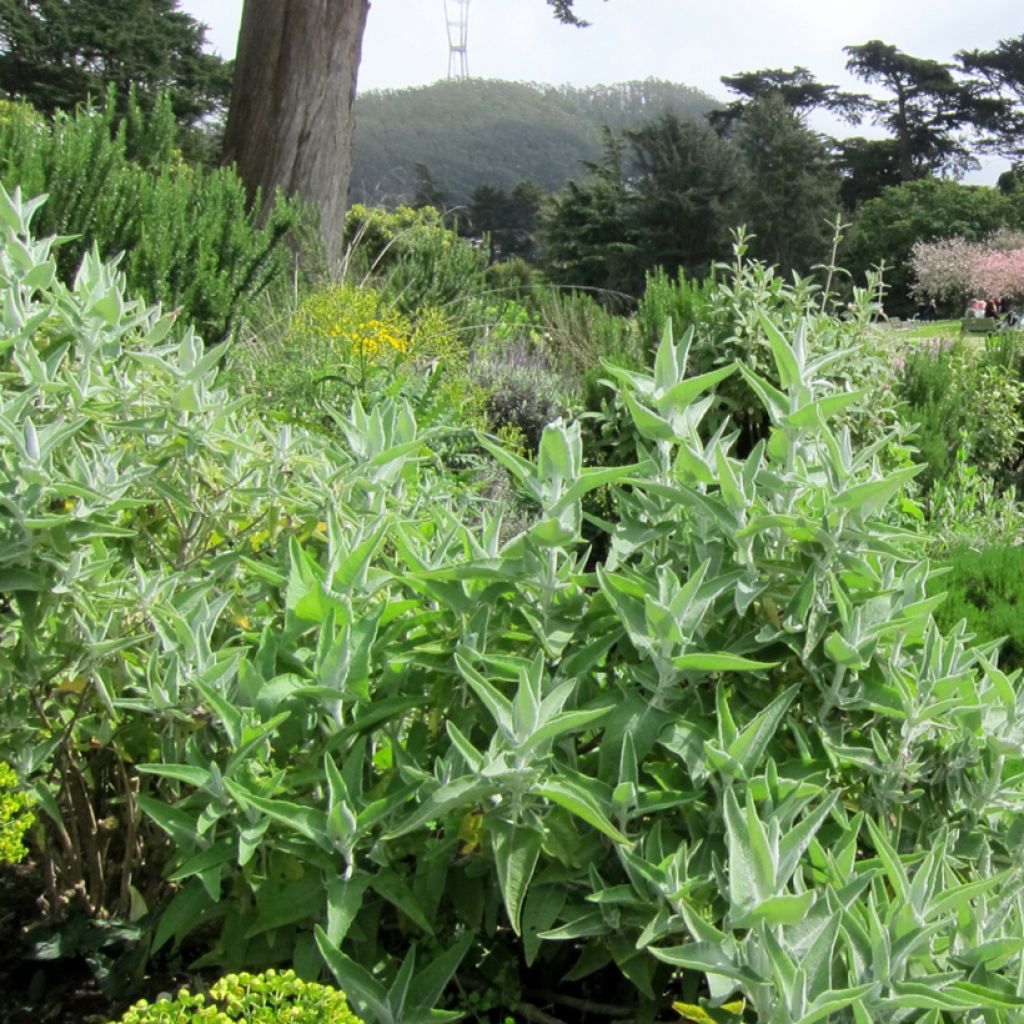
[516,851]
[786,362]
[499,706]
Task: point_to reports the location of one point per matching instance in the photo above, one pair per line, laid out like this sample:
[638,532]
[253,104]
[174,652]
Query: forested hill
[483,132]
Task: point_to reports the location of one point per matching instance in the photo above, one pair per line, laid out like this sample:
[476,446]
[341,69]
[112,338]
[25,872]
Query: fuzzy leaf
[516,849]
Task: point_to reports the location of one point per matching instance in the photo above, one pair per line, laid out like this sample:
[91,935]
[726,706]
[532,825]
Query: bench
[979,325]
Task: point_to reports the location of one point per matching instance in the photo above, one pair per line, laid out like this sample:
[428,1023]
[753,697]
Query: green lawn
[934,329]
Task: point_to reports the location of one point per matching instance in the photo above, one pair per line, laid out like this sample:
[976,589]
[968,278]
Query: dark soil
[37,989]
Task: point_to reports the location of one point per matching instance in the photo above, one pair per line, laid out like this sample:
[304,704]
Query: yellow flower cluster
[18,112]
[357,318]
[274,997]
[15,817]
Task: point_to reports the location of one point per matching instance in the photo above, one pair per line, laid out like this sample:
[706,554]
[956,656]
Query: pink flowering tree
[944,270]
[954,268]
[1000,273]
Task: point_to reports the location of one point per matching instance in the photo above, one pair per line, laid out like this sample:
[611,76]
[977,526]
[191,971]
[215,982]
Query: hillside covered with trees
[457,136]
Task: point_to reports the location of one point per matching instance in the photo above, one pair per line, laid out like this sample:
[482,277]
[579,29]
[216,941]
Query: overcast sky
[689,41]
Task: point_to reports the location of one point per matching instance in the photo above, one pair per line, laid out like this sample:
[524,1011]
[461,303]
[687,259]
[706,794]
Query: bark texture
[291,117]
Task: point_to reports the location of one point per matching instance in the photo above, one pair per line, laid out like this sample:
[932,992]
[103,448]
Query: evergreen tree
[927,111]
[664,195]
[687,181]
[509,219]
[58,53]
[996,80]
[590,236]
[798,89]
[789,192]
[866,168]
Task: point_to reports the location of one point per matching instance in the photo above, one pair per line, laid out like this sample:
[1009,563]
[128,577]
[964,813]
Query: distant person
[1005,307]
[991,309]
[931,312]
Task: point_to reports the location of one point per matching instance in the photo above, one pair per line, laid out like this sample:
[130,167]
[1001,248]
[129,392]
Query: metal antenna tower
[456,14]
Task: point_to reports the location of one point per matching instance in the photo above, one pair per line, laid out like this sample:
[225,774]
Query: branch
[564,13]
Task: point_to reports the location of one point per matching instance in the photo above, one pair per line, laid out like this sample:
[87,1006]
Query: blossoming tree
[944,269]
[1000,273]
[952,269]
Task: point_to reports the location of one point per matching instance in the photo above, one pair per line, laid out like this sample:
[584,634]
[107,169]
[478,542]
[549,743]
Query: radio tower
[456,13]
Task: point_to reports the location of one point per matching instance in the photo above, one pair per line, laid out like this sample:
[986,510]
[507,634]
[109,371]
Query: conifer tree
[57,54]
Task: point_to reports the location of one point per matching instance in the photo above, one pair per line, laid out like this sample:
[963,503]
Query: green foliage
[57,54]
[727,314]
[886,228]
[718,750]
[413,258]
[140,510]
[19,112]
[789,190]
[589,234]
[958,399]
[798,90]
[496,134]
[663,195]
[579,336]
[668,193]
[578,332]
[730,761]
[681,301]
[926,111]
[342,341]
[998,76]
[188,235]
[965,509]
[985,588]
[269,998]
[607,845]
[868,167]
[524,392]
[511,279]
[509,221]
[688,183]
[16,817]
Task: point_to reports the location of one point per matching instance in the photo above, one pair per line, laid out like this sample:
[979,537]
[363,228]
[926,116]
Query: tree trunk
[290,121]
[905,143]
